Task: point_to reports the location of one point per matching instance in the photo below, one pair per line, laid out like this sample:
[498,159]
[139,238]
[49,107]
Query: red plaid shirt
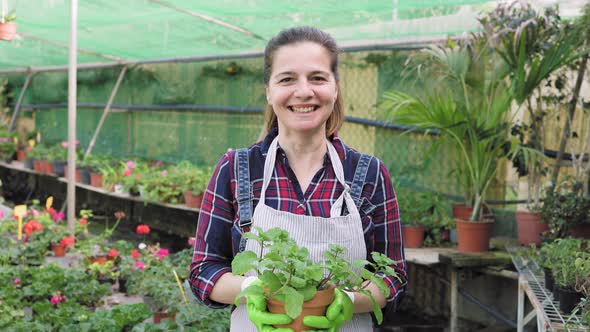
[218,235]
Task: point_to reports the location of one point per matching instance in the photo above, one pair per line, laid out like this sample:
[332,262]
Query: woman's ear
[266,92]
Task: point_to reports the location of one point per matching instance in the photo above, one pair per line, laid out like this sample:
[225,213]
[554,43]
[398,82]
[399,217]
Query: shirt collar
[335,139]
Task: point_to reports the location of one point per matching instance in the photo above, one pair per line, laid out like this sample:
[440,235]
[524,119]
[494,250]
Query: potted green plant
[469,107]
[104,273]
[534,45]
[565,207]
[565,271]
[7,25]
[289,279]
[7,145]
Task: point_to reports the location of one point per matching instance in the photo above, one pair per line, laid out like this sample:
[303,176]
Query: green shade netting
[139,30]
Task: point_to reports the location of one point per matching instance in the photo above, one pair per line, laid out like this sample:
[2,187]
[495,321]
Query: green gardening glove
[262,319]
[338,312]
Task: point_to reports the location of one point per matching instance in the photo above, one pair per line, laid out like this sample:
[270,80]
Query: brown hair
[298,35]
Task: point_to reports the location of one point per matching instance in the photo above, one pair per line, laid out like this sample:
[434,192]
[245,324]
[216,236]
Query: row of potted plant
[153,180]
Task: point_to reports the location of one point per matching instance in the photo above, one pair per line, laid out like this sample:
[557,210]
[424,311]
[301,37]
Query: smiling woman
[302,179]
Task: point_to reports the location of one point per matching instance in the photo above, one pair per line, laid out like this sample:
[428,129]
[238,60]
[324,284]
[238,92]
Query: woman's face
[302,88]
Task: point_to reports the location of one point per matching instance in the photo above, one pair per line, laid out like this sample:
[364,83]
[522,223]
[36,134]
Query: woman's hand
[338,312]
[259,315]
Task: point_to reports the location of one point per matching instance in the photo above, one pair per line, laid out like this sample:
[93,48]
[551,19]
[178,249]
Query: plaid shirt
[218,234]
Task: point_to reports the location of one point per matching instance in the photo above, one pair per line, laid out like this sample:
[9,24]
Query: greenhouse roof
[113,32]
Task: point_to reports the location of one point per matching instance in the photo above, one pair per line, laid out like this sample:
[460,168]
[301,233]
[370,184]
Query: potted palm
[534,46]
[469,107]
[293,284]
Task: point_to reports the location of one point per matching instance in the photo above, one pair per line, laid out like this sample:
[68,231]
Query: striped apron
[314,233]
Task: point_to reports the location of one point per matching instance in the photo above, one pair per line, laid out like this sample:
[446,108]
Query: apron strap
[359,178]
[243,190]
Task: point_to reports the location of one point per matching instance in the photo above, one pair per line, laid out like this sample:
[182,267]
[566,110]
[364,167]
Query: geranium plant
[288,274]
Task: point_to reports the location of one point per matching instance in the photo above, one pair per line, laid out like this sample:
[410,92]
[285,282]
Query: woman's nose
[303,89]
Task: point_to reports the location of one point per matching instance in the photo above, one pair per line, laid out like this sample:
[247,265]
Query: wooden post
[454,300]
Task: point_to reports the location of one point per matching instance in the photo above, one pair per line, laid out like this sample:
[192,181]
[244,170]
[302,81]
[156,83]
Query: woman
[293,179]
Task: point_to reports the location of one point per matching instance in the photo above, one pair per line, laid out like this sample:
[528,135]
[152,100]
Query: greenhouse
[463,148]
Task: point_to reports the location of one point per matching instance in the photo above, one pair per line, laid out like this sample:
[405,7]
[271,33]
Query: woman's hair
[299,35]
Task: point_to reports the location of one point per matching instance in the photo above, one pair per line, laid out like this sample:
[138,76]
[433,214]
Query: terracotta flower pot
[413,236]
[462,211]
[316,306]
[193,201]
[77,174]
[37,166]
[21,155]
[44,166]
[96,180]
[159,316]
[58,250]
[7,31]
[529,227]
[473,236]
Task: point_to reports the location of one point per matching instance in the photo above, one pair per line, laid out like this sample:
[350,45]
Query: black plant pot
[555,293]
[59,167]
[549,281]
[568,299]
[122,285]
[105,280]
[29,163]
[85,176]
[133,192]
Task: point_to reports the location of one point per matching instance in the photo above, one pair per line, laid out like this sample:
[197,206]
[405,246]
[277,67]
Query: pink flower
[127,171]
[159,163]
[140,265]
[113,253]
[58,216]
[1,214]
[64,144]
[191,241]
[54,300]
[35,213]
[130,164]
[162,253]
[57,298]
[164,172]
[16,281]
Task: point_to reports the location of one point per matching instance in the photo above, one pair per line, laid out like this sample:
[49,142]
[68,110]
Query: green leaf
[270,280]
[293,302]
[244,262]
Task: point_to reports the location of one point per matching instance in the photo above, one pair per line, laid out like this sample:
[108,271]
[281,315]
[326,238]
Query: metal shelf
[532,282]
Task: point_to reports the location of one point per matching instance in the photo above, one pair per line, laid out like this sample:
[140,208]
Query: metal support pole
[106,111]
[20,101]
[520,309]
[72,90]
[454,301]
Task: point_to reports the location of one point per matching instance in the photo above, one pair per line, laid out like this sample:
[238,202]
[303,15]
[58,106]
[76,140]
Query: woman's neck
[305,154]
[303,147]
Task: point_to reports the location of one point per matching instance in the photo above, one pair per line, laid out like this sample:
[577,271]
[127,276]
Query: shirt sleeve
[212,254]
[388,238]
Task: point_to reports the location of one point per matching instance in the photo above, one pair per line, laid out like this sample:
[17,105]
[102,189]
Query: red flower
[83,221]
[32,226]
[135,254]
[113,253]
[51,211]
[119,214]
[67,241]
[142,229]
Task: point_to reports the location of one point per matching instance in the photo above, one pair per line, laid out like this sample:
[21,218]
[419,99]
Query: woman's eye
[318,78]
[285,80]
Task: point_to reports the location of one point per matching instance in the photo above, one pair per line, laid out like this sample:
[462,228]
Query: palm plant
[469,107]
[534,46]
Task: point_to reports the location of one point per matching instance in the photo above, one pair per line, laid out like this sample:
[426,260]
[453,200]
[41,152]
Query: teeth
[303,109]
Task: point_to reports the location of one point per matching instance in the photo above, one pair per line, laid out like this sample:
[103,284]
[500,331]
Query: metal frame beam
[20,101]
[106,111]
